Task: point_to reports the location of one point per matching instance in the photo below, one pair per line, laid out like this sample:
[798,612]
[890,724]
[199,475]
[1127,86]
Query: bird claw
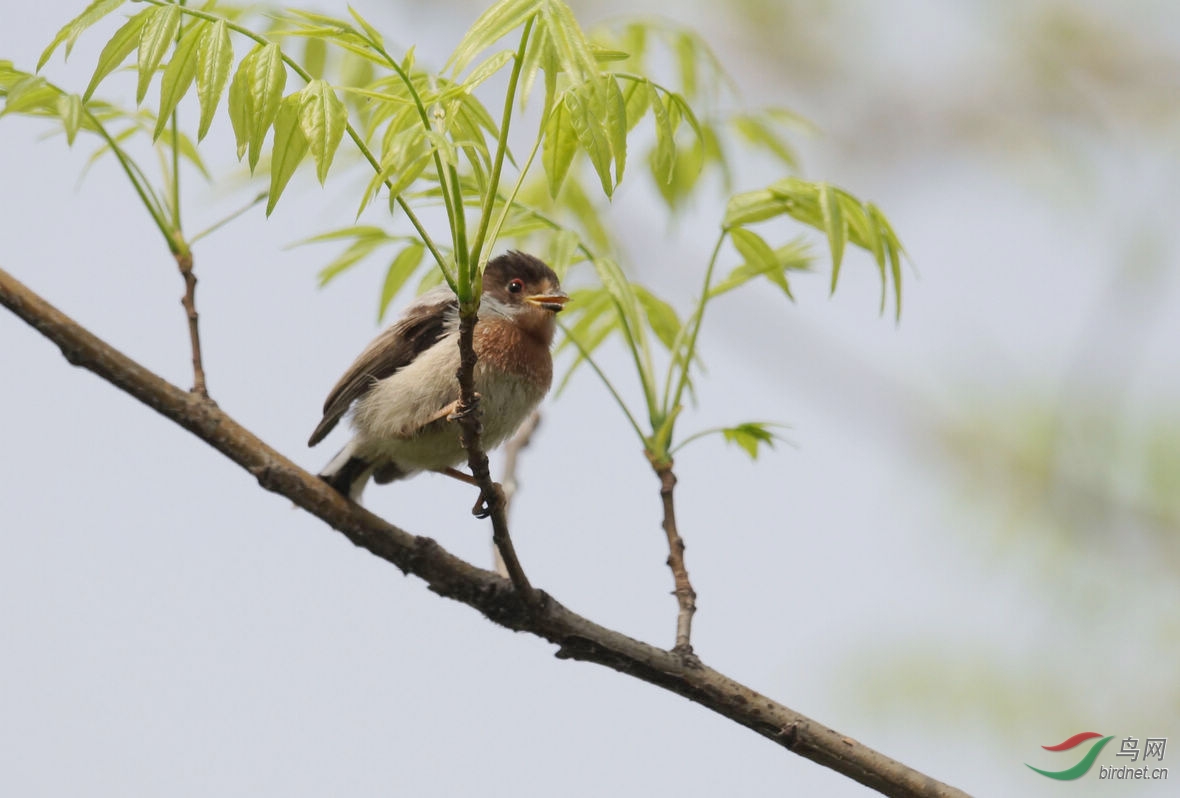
[460,411]
[485,506]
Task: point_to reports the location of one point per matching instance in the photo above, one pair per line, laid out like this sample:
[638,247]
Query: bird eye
[516,286]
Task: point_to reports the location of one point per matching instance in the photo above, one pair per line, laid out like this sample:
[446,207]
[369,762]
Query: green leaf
[290,145]
[115,52]
[492,25]
[403,161]
[188,151]
[569,42]
[352,231]
[893,248]
[635,98]
[752,206]
[627,303]
[69,108]
[323,118]
[685,48]
[563,248]
[254,97]
[315,56]
[489,67]
[561,142]
[616,125]
[661,316]
[179,74]
[403,266]
[760,256]
[665,155]
[158,34]
[357,251]
[750,436]
[215,57]
[32,93]
[75,27]
[793,256]
[756,131]
[587,118]
[240,112]
[829,204]
[373,34]
[753,248]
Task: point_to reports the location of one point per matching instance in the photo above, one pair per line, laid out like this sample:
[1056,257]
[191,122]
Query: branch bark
[491,494]
[686,597]
[508,480]
[184,261]
[575,636]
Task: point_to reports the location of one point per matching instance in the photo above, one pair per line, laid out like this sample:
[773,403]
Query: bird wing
[421,326]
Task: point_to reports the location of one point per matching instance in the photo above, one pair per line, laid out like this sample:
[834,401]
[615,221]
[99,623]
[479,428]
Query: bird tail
[347,473]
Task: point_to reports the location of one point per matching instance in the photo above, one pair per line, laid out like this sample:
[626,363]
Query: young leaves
[323,118]
[403,266]
[750,436]
[290,145]
[833,211]
[254,98]
[158,34]
[312,119]
[215,57]
[179,74]
[74,28]
[118,48]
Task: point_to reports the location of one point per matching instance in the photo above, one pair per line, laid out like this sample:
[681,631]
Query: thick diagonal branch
[471,428]
[686,597]
[577,637]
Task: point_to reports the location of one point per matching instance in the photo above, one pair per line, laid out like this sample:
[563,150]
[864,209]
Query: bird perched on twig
[403,391]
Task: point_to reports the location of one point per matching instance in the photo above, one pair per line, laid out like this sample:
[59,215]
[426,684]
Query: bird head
[525,290]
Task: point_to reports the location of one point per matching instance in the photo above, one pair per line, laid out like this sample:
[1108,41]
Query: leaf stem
[696,320]
[140,187]
[489,200]
[609,386]
[439,258]
[221,223]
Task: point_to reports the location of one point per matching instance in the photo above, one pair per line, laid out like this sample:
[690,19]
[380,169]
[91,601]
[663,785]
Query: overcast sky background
[169,628]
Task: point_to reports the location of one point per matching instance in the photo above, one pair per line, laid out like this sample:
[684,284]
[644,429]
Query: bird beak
[553,302]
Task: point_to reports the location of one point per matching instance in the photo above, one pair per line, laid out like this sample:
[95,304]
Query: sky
[172,629]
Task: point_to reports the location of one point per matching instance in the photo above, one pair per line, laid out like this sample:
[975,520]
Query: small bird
[403,391]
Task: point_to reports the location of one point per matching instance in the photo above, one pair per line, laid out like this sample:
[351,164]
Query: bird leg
[483,505]
[455,473]
[451,412]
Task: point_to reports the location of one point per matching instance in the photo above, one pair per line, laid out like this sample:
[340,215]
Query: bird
[403,393]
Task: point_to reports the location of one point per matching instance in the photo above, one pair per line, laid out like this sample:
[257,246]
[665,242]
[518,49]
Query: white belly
[391,419]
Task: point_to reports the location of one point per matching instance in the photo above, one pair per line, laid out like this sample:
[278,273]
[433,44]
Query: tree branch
[686,597]
[491,494]
[575,636]
[184,260]
[508,480]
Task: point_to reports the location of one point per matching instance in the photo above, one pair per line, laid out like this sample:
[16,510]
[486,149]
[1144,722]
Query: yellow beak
[553,302]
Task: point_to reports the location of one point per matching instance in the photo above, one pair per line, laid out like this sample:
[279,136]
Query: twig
[184,260]
[512,450]
[508,481]
[471,428]
[577,637]
[686,597]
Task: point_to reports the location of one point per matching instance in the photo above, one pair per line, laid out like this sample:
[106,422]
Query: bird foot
[458,411]
[485,505]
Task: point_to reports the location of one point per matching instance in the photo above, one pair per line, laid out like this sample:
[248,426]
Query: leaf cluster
[429,138]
